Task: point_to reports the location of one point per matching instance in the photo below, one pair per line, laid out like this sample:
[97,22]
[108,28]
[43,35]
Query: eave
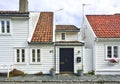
[67,30]
[40,42]
[107,39]
[69,44]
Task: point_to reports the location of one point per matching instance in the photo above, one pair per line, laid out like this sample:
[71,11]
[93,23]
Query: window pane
[18,55]
[33,55]
[109,52]
[63,36]
[23,55]
[8,26]
[38,55]
[115,51]
[3,26]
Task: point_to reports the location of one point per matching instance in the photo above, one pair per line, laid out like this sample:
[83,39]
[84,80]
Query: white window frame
[61,36]
[112,52]
[20,51]
[31,56]
[5,27]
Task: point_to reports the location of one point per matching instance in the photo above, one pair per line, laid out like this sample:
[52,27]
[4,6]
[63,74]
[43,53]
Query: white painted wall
[102,65]
[89,39]
[76,49]
[47,60]
[70,36]
[17,38]
[87,65]
[32,23]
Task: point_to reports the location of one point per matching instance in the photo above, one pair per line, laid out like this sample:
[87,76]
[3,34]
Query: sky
[72,10]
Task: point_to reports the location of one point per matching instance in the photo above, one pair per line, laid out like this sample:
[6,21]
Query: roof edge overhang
[15,15]
[67,30]
[40,42]
[107,39]
[69,44]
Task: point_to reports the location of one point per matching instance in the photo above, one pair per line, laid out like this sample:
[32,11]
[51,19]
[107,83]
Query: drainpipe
[82,57]
[55,55]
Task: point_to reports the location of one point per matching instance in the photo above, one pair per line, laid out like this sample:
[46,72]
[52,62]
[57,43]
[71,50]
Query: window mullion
[20,55]
[112,51]
[5,26]
[35,55]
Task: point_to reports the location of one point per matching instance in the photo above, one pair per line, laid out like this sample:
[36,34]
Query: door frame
[72,57]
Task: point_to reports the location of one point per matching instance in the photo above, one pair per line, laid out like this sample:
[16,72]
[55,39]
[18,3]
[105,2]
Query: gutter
[67,30]
[15,15]
[40,42]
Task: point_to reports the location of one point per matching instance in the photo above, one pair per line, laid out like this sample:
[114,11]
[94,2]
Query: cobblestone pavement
[62,79]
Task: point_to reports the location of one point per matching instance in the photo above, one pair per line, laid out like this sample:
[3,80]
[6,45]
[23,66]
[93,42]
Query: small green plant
[79,70]
[91,72]
[52,69]
[52,72]
[23,75]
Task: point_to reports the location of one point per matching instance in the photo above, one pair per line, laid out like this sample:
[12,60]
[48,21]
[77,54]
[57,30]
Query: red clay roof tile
[44,28]
[105,26]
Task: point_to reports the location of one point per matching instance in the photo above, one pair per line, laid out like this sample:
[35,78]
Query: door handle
[61,62]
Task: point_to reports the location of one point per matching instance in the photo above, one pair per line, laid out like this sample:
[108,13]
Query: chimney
[23,5]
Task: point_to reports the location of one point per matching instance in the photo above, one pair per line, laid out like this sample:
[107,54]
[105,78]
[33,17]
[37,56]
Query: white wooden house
[101,34]
[33,43]
[69,49]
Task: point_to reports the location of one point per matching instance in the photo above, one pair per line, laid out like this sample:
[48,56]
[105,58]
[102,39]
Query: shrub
[91,72]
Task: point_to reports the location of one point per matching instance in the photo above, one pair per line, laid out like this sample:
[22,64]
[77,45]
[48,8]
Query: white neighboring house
[26,41]
[16,29]
[101,34]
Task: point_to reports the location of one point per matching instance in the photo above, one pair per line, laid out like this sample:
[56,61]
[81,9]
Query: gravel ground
[62,79]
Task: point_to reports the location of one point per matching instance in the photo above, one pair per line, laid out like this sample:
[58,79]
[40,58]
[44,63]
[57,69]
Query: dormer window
[5,27]
[63,36]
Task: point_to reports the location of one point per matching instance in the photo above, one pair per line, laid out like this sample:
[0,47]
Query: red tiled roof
[44,29]
[66,27]
[105,26]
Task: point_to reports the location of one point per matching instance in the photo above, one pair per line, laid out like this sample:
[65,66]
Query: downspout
[54,39]
[82,57]
[55,55]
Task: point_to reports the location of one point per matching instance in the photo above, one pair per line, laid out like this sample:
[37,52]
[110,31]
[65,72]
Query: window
[20,55]
[5,27]
[63,36]
[8,26]
[35,56]
[112,51]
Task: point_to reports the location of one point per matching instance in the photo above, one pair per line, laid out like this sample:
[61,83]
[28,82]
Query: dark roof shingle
[66,28]
[105,26]
[14,13]
[44,29]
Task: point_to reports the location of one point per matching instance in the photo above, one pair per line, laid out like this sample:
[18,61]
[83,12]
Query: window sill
[107,59]
[35,63]
[5,34]
[20,63]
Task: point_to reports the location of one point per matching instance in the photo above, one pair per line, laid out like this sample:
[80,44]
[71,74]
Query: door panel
[66,59]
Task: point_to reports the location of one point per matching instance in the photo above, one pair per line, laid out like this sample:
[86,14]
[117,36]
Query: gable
[44,29]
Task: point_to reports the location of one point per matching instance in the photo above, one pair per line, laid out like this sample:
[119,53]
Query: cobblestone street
[61,79]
